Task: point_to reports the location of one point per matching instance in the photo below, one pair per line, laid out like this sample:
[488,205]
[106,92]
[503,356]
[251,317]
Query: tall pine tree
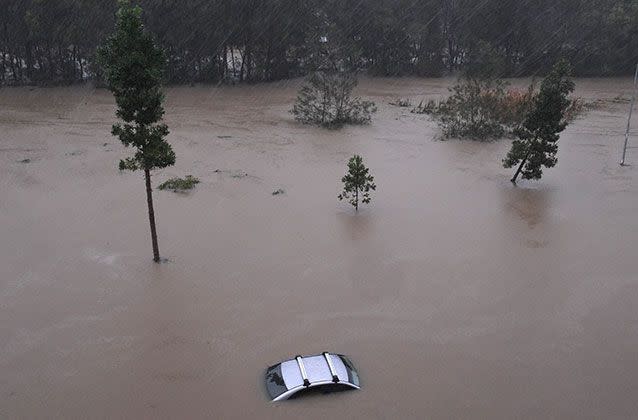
[537,143]
[133,66]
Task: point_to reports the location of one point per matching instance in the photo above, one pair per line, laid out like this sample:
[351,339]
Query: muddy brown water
[456,294]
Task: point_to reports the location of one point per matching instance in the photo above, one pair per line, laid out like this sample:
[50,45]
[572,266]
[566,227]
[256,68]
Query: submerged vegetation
[326,100]
[401,103]
[480,109]
[483,115]
[179,184]
[487,110]
[474,110]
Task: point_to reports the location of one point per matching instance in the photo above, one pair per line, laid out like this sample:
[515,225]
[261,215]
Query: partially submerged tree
[133,66]
[472,111]
[537,142]
[475,108]
[326,100]
[357,183]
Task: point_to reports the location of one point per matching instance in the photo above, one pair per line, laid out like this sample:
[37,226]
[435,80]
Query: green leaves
[133,66]
[180,184]
[357,183]
[537,145]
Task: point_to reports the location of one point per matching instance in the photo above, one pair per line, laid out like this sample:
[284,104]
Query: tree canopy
[43,41]
[133,66]
[537,143]
[326,100]
[357,183]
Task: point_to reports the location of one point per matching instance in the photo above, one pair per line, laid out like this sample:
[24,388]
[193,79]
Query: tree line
[133,66]
[55,41]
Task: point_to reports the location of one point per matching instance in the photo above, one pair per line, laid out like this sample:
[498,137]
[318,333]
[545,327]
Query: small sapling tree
[133,67]
[537,142]
[357,183]
[326,100]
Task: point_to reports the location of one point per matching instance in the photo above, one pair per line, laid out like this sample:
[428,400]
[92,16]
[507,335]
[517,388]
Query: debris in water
[180,184]
[239,174]
[280,191]
[401,103]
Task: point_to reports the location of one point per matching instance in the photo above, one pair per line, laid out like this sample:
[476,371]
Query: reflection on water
[531,205]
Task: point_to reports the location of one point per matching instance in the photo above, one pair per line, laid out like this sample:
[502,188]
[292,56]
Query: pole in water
[631,110]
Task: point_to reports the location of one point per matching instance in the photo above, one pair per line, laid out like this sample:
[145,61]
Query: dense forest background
[54,41]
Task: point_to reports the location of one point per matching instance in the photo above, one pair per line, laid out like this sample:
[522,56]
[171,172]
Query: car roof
[291,376]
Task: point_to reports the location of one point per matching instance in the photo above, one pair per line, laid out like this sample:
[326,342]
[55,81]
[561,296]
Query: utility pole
[631,110]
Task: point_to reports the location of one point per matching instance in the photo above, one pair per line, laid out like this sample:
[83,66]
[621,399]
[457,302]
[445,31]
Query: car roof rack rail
[326,371]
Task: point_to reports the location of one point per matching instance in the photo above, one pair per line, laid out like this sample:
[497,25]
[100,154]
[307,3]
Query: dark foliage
[473,110]
[179,184]
[326,100]
[54,41]
[133,67]
[537,143]
[476,108]
[357,183]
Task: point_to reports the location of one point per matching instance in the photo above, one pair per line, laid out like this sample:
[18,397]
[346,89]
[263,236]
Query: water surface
[456,294]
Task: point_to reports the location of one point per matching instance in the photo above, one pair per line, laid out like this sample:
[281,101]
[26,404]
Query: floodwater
[455,293]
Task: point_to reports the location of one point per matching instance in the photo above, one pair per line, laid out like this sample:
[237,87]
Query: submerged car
[327,372]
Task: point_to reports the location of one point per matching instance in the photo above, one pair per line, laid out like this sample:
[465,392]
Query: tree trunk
[51,64]
[81,66]
[151,215]
[74,61]
[249,65]
[3,67]
[243,64]
[29,58]
[41,65]
[13,68]
[223,75]
[356,200]
[232,59]
[520,167]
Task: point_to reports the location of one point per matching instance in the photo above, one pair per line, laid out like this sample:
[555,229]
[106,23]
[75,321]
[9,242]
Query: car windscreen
[353,376]
[275,384]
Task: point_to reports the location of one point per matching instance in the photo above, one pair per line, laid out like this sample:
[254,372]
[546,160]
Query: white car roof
[291,376]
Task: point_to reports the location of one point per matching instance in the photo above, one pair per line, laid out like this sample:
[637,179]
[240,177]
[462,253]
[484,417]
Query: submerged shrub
[485,110]
[326,100]
[179,184]
[515,106]
[479,107]
[579,106]
[473,110]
